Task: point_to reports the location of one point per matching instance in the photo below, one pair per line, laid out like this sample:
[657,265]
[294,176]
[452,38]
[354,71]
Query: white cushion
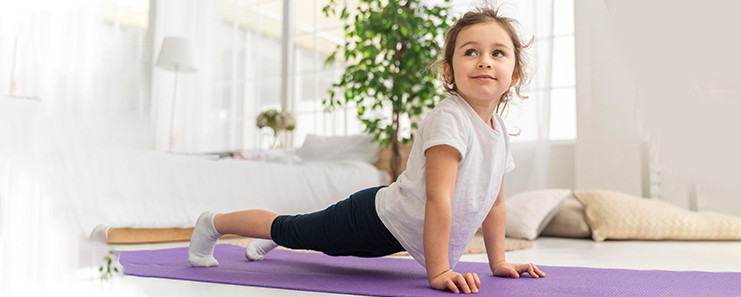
[528,213]
[328,148]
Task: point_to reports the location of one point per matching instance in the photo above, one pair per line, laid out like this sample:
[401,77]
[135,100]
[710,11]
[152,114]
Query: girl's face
[483,63]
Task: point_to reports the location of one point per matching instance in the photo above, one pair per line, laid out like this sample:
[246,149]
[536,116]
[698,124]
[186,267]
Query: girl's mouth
[484,77]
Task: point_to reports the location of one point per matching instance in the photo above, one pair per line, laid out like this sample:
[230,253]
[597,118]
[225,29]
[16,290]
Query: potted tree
[388,48]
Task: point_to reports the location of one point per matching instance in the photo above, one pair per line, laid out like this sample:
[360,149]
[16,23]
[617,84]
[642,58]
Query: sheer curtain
[195,21]
[85,61]
[537,20]
[76,57]
[84,66]
[237,45]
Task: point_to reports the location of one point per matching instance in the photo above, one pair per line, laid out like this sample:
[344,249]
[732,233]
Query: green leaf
[387,50]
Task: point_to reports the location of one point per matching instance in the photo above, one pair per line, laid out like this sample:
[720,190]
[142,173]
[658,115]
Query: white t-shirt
[485,159]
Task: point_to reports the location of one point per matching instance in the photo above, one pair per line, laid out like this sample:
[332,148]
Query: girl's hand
[505,269]
[450,280]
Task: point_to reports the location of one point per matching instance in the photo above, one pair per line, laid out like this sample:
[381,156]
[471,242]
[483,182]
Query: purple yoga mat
[404,277]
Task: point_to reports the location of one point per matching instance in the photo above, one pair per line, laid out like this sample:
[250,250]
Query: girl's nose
[484,65]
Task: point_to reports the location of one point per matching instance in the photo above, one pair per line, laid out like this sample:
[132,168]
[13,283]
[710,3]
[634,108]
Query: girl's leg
[253,223]
[350,227]
[210,227]
[249,223]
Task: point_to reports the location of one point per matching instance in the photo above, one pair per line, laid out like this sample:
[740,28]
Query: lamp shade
[176,54]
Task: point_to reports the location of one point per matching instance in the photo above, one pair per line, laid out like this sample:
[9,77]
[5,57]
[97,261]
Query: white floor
[643,255]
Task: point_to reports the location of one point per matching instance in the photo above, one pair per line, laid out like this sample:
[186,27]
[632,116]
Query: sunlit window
[249,78]
[315,38]
[247,72]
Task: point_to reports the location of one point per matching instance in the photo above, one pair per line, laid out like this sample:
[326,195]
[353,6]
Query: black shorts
[350,227]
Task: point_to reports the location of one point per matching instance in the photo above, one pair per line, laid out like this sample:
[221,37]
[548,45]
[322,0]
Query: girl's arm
[493,228]
[441,167]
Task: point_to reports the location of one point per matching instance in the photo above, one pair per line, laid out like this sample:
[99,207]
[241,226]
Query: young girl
[452,185]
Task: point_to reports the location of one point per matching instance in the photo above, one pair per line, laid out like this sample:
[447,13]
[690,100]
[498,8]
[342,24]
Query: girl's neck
[484,109]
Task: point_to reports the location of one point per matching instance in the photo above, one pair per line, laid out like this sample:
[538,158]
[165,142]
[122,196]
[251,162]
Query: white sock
[201,250]
[257,249]
[100,233]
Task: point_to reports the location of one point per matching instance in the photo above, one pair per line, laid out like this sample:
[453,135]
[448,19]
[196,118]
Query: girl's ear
[448,73]
[515,79]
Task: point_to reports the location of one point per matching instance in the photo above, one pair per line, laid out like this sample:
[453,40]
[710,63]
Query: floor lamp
[175,55]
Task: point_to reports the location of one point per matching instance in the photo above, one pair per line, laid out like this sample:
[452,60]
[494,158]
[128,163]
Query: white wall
[664,76]
[559,165]
[607,147]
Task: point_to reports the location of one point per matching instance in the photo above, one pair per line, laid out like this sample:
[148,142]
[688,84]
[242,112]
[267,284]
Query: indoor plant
[388,48]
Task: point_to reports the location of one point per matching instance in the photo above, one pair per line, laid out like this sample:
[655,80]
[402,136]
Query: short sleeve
[510,165]
[445,127]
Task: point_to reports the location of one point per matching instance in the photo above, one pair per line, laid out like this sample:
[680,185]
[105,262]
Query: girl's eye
[497,53]
[470,52]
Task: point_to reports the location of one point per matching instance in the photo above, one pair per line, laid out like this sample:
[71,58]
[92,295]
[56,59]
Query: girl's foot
[202,242]
[257,249]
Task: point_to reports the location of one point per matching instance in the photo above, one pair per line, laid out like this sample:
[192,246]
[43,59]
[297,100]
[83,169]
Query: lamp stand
[172,112]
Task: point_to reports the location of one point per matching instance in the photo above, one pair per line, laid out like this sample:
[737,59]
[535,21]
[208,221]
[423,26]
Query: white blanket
[155,189]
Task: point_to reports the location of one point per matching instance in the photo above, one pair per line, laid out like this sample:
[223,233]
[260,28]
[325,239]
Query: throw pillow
[570,221]
[528,213]
[615,215]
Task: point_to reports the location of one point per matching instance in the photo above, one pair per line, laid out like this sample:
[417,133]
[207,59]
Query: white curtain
[197,22]
[532,117]
[84,61]
[540,88]
[73,76]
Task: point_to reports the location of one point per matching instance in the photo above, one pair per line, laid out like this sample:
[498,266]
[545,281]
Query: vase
[276,140]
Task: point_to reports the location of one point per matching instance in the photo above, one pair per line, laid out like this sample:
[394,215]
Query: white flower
[286,121]
[262,121]
[276,120]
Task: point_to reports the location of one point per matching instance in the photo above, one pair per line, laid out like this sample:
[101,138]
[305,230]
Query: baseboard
[150,235]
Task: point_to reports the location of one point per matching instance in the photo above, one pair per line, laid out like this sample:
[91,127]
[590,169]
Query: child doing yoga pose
[452,184]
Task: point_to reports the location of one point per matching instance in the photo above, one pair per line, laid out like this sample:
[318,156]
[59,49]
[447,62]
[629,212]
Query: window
[249,79]
[247,72]
[315,38]
[563,79]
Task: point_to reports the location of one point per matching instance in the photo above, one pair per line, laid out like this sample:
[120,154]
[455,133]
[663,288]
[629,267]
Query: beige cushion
[570,221]
[614,215]
[528,213]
